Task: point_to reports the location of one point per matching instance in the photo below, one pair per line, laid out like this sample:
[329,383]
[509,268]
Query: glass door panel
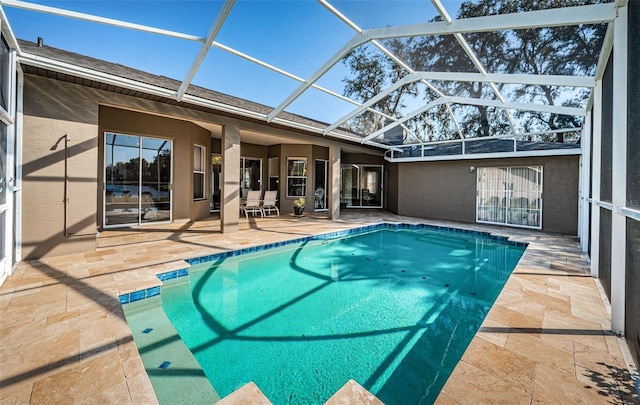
[371,189]
[216,182]
[155,196]
[350,185]
[122,176]
[491,194]
[250,175]
[525,202]
[320,193]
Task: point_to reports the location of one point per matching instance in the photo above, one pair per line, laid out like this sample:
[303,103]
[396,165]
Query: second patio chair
[269,202]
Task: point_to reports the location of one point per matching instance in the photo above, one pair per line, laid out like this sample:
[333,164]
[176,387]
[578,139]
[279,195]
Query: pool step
[247,394]
[350,393]
[175,374]
[353,393]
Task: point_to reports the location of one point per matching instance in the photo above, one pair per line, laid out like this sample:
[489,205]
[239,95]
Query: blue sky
[296,35]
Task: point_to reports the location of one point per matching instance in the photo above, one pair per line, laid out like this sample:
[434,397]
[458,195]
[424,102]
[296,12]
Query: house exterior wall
[447,190]
[391,187]
[49,115]
[361,158]
[53,108]
[291,151]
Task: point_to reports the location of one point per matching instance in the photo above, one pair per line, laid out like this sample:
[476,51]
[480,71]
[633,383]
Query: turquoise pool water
[392,309]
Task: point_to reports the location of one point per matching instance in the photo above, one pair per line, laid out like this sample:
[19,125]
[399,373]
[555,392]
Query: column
[230,204]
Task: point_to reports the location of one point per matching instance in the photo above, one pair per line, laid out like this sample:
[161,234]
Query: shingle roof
[481,146]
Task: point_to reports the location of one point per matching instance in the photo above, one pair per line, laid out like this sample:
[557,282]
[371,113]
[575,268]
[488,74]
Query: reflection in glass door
[137,180]
[250,175]
[361,186]
[320,193]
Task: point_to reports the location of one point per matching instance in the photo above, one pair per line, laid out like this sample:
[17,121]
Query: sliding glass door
[361,186]
[137,180]
[510,195]
[250,175]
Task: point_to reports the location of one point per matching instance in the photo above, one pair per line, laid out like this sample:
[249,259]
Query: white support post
[595,180]
[17,185]
[619,172]
[585,162]
[334,174]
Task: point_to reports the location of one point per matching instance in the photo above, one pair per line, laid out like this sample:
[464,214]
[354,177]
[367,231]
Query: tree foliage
[566,50]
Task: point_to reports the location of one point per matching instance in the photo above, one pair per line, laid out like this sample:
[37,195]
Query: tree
[374,72]
[556,50]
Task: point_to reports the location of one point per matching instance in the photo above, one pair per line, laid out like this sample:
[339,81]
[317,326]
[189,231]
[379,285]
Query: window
[296,177]
[510,195]
[198,171]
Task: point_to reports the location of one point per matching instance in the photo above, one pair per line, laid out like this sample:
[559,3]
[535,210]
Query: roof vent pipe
[40,42]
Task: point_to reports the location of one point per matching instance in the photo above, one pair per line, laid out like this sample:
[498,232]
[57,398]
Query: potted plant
[298,206]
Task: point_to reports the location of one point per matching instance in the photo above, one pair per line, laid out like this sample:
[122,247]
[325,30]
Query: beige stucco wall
[447,190]
[48,116]
[53,109]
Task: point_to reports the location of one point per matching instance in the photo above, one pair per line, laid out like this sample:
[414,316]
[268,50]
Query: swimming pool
[393,309]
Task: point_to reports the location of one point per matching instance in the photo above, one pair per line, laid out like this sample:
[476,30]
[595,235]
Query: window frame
[199,176]
[291,176]
[505,212]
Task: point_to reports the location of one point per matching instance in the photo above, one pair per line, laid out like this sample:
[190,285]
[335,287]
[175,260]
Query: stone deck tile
[248,394]
[353,393]
[64,338]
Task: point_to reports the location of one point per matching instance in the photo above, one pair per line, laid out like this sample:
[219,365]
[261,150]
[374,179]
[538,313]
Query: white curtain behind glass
[510,195]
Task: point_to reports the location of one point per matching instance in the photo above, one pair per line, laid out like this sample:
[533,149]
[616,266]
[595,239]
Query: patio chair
[269,202]
[319,198]
[252,204]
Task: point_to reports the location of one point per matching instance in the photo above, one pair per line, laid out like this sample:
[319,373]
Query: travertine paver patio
[65,340]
